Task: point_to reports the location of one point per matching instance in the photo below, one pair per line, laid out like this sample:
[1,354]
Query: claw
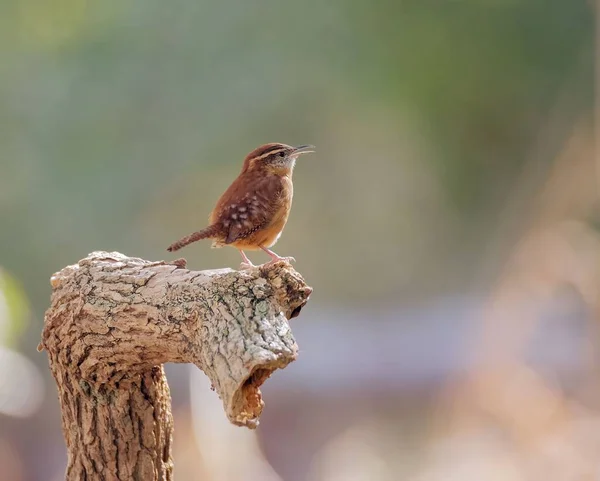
[277,259]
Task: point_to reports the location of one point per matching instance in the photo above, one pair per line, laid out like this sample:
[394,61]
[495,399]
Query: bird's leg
[275,258]
[246,263]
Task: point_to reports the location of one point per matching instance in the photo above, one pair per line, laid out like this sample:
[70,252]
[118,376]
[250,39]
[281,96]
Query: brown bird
[253,211]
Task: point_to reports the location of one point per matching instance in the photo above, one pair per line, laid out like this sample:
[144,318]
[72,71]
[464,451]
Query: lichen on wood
[113,322]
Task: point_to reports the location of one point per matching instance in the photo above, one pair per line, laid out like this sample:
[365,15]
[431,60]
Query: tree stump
[114,320]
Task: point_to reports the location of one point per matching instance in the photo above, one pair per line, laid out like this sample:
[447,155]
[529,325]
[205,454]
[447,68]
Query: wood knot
[181,263]
[291,291]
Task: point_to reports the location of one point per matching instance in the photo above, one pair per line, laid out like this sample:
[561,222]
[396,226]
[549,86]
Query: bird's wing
[250,209]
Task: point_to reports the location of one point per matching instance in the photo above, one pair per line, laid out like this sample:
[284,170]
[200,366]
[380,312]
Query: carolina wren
[253,211]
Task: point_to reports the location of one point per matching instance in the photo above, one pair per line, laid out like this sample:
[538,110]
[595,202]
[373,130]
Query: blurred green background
[437,125]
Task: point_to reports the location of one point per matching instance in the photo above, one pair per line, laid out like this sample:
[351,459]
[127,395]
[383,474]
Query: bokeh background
[448,222]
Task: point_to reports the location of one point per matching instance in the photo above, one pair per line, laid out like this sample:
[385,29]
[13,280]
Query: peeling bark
[113,322]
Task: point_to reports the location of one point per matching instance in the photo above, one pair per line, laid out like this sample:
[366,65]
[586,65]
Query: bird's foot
[276,259]
[246,263]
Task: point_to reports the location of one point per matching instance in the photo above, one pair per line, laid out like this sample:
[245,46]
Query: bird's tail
[206,233]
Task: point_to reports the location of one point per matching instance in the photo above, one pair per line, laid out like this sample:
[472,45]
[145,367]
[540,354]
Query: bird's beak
[303,149]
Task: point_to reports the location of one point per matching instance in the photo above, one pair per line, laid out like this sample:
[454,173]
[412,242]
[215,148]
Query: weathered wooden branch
[113,322]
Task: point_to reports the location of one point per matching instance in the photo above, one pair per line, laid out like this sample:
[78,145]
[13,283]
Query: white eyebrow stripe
[271,152]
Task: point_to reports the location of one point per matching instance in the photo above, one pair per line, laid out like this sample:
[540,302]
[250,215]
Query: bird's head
[278,158]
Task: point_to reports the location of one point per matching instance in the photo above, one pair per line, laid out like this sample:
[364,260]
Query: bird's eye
[281,154]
